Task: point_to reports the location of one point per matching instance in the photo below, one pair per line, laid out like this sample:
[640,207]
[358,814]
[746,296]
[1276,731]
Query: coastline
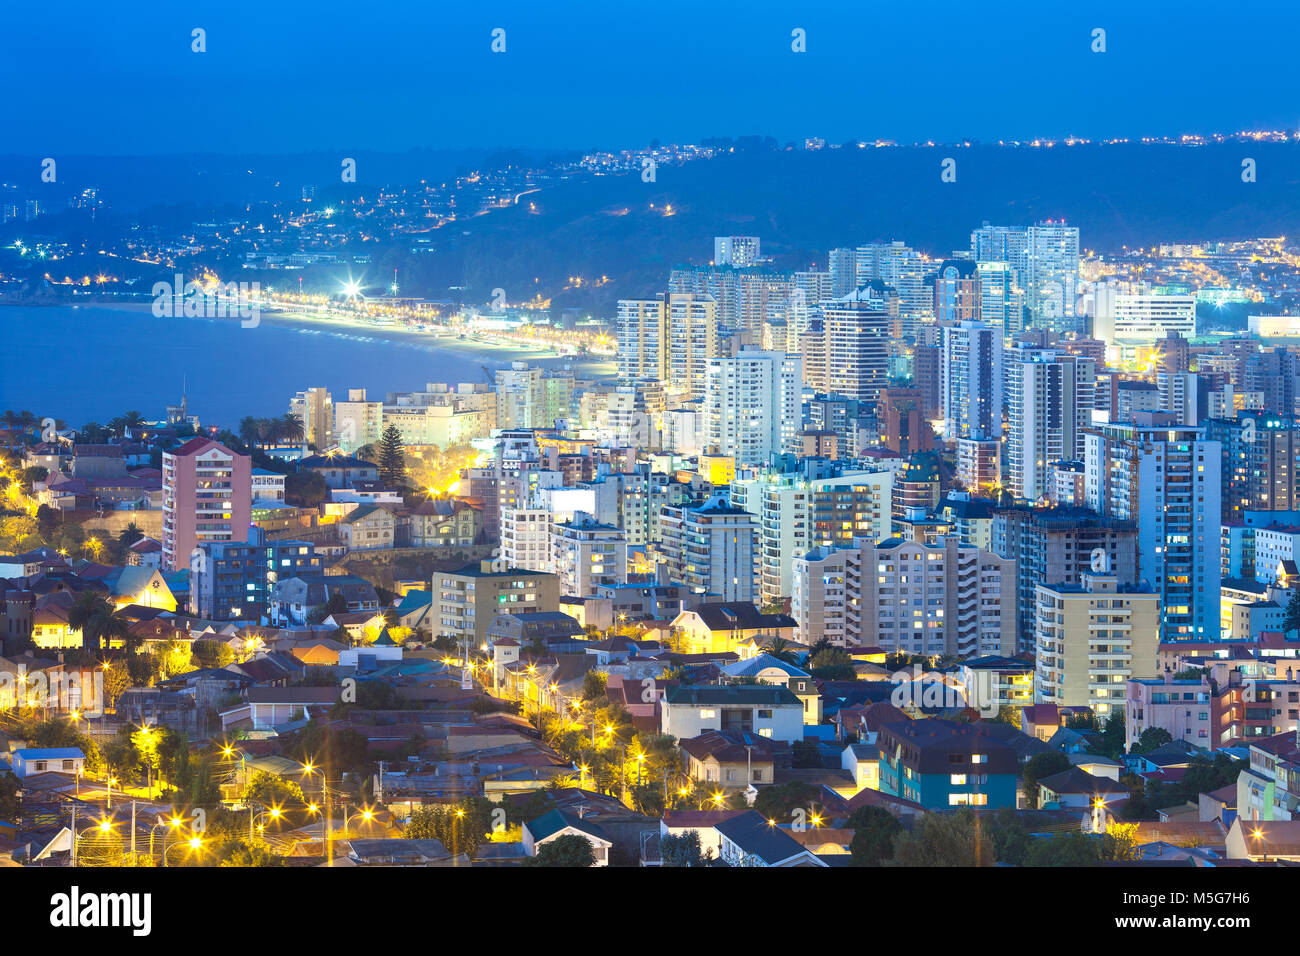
[594,366]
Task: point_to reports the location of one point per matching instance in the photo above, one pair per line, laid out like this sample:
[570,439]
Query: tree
[272,791]
[209,653]
[1008,714]
[129,536]
[1291,621]
[94,615]
[944,839]
[874,832]
[805,754]
[1064,849]
[683,850]
[568,850]
[305,488]
[1113,734]
[461,828]
[1085,720]
[392,458]
[1010,838]
[1040,766]
[48,522]
[779,648]
[832,664]
[1150,739]
[11,804]
[593,686]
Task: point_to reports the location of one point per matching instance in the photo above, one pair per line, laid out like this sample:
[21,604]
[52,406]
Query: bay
[93,362]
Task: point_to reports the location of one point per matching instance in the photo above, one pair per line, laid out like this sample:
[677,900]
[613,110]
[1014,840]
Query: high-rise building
[1166,477]
[854,342]
[927,376]
[1050,397]
[358,422]
[207,498]
[1057,544]
[843,267]
[797,512]
[642,339]
[1006,244]
[1002,301]
[1141,318]
[588,555]
[707,549]
[979,465]
[957,293]
[753,405]
[906,597]
[903,424]
[972,381]
[315,409]
[1261,463]
[235,579]
[529,397]
[1052,277]
[691,340]
[739,251]
[526,538]
[1092,638]
[901,268]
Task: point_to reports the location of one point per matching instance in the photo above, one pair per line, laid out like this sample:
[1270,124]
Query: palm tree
[94,615]
[290,427]
[780,648]
[250,430]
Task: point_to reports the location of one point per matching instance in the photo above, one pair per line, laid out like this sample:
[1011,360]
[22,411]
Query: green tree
[874,832]
[267,788]
[1064,849]
[568,850]
[392,458]
[832,664]
[305,488]
[94,615]
[1113,735]
[1036,768]
[1010,838]
[1291,621]
[944,839]
[1150,739]
[683,850]
[780,648]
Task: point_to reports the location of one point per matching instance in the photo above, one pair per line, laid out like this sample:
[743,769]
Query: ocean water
[91,363]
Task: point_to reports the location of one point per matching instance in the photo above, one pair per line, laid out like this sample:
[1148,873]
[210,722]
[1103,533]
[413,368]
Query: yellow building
[718,469]
[715,628]
[1092,638]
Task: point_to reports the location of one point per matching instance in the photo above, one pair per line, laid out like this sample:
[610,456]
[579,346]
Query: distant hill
[800,203]
[803,203]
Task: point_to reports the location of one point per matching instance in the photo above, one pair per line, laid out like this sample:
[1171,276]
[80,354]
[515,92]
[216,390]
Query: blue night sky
[97,77]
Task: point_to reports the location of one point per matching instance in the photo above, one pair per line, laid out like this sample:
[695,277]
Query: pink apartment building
[207,496]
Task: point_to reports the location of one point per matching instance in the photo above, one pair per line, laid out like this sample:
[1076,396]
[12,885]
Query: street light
[104,826]
[194,843]
[175,822]
[272,812]
[308,769]
[365,813]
